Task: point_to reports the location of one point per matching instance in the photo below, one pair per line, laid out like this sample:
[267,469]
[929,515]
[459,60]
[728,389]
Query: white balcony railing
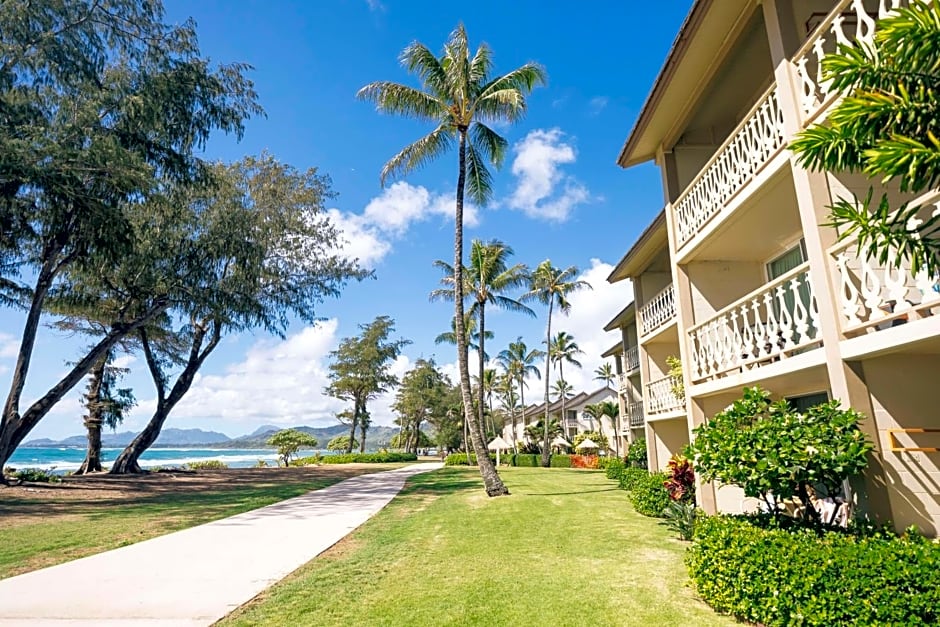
[661,397]
[623,381]
[631,359]
[777,320]
[635,415]
[660,309]
[847,24]
[758,137]
[874,295]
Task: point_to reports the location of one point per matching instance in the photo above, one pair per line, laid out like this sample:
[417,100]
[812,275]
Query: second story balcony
[634,417]
[657,311]
[662,397]
[777,320]
[631,360]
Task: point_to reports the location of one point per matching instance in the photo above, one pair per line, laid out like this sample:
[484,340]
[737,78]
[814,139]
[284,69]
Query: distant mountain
[378,437]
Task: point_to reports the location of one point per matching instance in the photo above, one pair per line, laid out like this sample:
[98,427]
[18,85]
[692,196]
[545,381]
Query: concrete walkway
[198,575]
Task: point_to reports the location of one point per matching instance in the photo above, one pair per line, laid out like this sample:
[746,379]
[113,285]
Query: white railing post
[660,397]
[658,311]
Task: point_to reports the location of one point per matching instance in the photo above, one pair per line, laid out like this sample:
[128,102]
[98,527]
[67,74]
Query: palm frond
[488,142]
[397,99]
[417,154]
[479,179]
[481,64]
[418,59]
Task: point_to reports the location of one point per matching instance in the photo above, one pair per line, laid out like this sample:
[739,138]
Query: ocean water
[63,459]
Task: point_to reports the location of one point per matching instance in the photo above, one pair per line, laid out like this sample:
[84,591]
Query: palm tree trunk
[491,481]
[521,400]
[564,399]
[481,352]
[548,344]
[93,420]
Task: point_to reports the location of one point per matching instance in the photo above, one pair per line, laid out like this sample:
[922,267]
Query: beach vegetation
[289,441]
[426,395]
[461,98]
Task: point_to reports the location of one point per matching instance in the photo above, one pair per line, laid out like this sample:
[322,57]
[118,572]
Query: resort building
[575,421]
[739,278]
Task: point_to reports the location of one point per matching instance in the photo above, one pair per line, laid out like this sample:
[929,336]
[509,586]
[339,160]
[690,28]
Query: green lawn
[47,524]
[564,549]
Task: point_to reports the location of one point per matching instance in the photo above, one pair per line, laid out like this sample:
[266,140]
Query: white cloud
[124,361]
[543,190]
[590,311]
[9,346]
[375,5]
[369,236]
[598,104]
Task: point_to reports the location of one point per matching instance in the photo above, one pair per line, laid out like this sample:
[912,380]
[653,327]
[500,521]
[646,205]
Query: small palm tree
[551,287]
[459,98]
[470,327]
[519,361]
[487,278]
[563,350]
[611,410]
[606,374]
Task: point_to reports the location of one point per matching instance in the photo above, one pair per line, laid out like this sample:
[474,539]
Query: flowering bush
[680,479]
[584,461]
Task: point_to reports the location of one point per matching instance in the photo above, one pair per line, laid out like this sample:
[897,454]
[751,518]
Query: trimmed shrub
[206,464]
[612,466]
[584,461]
[526,460]
[762,573]
[462,459]
[369,458]
[629,477]
[563,461]
[649,496]
[636,453]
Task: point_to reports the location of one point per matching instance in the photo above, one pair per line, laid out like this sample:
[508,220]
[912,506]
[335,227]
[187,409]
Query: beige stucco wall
[667,437]
[716,284]
[902,388]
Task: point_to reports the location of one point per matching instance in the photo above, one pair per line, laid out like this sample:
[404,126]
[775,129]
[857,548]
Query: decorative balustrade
[758,137]
[874,295]
[848,24]
[635,414]
[660,309]
[623,381]
[661,395]
[777,320]
[631,359]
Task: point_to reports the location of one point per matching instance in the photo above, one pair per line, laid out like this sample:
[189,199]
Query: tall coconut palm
[487,385]
[605,373]
[487,278]
[563,350]
[519,361]
[505,390]
[551,287]
[459,98]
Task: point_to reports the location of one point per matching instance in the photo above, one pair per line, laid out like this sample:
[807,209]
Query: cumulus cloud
[543,190]
[590,311]
[9,346]
[369,236]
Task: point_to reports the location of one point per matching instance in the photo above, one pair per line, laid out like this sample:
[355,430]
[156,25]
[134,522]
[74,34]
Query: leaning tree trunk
[493,484]
[353,423]
[93,420]
[481,352]
[548,343]
[363,427]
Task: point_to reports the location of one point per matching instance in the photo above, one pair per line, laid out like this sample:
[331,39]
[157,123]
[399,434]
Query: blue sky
[560,194]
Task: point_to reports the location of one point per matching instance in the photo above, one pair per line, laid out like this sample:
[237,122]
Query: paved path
[198,575]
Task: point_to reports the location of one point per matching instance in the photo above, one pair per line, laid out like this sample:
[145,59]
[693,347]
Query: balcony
[635,415]
[872,295]
[631,360]
[749,147]
[847,24]
[777,320]
[661,398]
[660,309]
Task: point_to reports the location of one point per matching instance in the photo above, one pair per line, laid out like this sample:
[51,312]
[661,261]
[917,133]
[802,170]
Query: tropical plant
[675,376]
[341,443]
[680,517]
[459,98]
[562,391]
[425,395]
[289,441]
[470,328]
[595,436]
[885,128]
[360,371]
[775,453]
[605,372]
[563,349]
[551,287]
[105,405]
[680,479]
[519,362]
[487,277]
[636,453]
[536,430]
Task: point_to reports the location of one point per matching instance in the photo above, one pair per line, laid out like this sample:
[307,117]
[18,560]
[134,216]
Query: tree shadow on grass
[568,493]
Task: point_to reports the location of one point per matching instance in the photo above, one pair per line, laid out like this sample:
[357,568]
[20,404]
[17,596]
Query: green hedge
[369,458]
[614,468]
[527,460]
[560,461]
[649,496]
[771,576]
[629,477]
[460,459]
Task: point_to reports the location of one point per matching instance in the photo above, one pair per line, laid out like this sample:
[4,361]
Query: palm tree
[470,328]
[486,385]
[519,361]
[551,286]
[459,98]
[612,411]
[606,374]
[563,350]
[486,279]
[505,389]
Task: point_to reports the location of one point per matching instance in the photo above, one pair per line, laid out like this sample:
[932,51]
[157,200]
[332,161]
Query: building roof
[624,316]
[700,45]
[616,349]
[651,241]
